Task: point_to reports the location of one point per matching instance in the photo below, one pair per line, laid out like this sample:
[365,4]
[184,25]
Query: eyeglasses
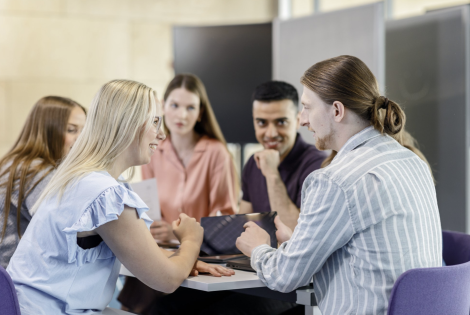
[159,121]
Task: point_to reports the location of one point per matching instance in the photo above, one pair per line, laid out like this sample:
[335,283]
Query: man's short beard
[325,142]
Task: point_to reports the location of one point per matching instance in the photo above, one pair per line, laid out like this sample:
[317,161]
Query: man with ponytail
[368,216]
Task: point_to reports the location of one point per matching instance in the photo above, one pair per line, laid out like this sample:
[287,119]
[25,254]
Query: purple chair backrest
[456,248]
[8,299]
[440,290]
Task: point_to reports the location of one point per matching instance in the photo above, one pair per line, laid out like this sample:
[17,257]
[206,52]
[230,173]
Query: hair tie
[385,104]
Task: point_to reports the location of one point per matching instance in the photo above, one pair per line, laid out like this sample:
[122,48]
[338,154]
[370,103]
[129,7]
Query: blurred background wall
[71,47]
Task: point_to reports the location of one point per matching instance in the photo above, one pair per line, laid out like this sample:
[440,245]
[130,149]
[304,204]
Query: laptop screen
[221,233]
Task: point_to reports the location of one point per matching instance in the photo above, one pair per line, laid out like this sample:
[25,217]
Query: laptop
[241,264]
[221,233]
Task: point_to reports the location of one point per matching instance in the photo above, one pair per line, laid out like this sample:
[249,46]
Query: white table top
[240,280]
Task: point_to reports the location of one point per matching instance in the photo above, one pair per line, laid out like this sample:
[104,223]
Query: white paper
[147,191]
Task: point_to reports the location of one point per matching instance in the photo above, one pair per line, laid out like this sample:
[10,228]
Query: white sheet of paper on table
[148,192]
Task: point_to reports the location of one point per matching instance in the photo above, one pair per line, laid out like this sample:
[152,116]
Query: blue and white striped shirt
[365,219]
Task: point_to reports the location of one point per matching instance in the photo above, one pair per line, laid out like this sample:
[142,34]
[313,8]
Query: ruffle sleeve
[107,207]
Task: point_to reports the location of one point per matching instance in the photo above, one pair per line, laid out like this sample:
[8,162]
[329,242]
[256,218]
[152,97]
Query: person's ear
[297,121]
[338,111]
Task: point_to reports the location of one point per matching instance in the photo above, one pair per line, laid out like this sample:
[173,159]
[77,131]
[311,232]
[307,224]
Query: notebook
[147,191]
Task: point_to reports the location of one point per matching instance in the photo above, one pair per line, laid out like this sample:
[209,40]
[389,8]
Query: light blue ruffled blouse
[51,273]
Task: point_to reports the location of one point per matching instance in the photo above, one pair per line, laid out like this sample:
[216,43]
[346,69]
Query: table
[247,283]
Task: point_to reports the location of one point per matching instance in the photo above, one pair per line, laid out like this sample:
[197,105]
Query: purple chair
[440,290]
[8,299]
[456,248]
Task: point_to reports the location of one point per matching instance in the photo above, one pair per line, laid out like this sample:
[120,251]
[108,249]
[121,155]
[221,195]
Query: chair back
[8,299]
[439,290]
[456,248]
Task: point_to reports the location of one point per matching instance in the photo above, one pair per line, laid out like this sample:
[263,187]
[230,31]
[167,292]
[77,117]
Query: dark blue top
[303,159]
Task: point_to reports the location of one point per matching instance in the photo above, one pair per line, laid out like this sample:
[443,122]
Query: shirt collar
[358,139]
[121,180]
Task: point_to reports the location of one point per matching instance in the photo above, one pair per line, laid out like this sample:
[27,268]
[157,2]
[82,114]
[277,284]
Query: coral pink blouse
[201,189]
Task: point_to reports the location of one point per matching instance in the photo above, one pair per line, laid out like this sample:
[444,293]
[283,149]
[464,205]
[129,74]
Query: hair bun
[381,102]
[385,103]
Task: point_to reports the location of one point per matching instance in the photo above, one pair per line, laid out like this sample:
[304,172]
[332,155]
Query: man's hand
[268,162]
[215,270]
[253,237]
[161,231]
[283,233]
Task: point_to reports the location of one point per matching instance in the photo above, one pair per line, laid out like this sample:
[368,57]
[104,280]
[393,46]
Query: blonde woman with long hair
[87,221]
[50,130]
[194,171]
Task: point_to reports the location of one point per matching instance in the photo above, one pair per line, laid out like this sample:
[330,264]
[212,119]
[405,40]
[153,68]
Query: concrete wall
[71,47]
[401,8]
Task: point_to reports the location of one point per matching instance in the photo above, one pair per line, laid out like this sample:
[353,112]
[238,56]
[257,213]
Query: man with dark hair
[272,179]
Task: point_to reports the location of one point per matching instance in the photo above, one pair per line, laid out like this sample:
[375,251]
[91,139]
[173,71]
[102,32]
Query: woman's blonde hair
[42,139]
[120,111]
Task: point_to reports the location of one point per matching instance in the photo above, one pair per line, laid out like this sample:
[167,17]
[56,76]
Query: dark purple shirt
[303,159]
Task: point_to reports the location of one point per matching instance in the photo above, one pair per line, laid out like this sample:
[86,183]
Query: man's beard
[325,142]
